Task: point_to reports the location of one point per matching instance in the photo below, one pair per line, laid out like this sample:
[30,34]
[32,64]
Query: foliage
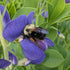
[58,57]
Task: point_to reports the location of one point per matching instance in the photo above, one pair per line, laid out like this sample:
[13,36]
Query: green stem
[40,12]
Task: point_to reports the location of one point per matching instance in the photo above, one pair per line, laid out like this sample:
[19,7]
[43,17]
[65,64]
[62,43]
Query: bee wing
[41,30]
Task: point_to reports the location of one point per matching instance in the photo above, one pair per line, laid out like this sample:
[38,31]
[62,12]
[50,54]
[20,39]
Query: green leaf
[42,67]
[60,67]
[24,11]
[18,4]
[52,33]
[31,3]
[11,9]
[68,68]
[41,21]
[53,58]
[61,49]
[68,37]
[51,5]
[58,8]
[67,61]
[2,3]
[64,13]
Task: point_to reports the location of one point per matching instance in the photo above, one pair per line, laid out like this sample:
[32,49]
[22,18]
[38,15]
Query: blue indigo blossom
[6,18]
[32,51]
[67,1]
[4,63]
[45,14]
[60,34]
[12,58]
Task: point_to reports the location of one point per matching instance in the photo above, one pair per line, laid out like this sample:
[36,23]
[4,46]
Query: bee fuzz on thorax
[28,27]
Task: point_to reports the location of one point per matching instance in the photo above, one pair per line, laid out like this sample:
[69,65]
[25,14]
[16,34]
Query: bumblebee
[35,33]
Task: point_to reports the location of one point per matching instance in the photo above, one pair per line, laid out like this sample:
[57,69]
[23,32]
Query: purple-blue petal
[58,32]
[14,28]
[42,44]
[6,18]
[49,42]
[42,12]
[30,17]
[46,14]
[4,63]
[13,58]
[30,50]
[38,61]
[67,1]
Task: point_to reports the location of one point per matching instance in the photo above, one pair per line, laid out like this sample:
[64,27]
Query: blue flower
[13,58]
[4,63]
[32,51]
[7,19]
[67,1]
[45,14]
[60,34]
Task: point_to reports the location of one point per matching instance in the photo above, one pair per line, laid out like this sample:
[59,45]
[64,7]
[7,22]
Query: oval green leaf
[54,58]
[59,7]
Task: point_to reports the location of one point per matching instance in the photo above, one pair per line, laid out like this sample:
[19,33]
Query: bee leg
[34,38]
